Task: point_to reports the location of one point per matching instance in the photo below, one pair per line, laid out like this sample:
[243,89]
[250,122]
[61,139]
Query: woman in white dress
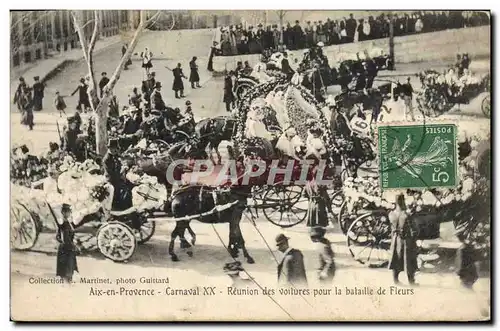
[289,144]
[259,72]
[146,61]
[314,144]
[254,125]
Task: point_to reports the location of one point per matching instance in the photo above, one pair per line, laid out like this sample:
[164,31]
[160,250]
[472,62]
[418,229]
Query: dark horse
[200,202]
[158,167]
[212,131]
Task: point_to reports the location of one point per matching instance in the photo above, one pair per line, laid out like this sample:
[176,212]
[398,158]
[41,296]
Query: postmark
[417,156]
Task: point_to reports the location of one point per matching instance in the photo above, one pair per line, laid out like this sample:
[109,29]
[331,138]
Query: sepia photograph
[250,165]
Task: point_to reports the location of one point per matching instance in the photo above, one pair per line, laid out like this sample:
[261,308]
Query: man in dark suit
[103,82]
[156,98]
[350,26]
[291,270]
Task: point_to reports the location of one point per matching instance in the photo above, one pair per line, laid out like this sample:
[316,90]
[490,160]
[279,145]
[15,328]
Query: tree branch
[153,18]
[95,33]
[116,74]
[81,33]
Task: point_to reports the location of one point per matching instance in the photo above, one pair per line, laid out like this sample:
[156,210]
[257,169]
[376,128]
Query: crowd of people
[30,98]
[237,39]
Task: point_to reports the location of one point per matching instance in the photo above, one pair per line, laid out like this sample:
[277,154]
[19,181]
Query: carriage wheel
[368,239]
[24,229]
[116,241]
[344,218]
[486,106]
[146,231]
[285,206]
[242,89]
[162,145]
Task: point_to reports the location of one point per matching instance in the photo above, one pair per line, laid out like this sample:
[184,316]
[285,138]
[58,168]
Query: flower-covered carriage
[273,123]
[363,215]
[36,209]
[440,91]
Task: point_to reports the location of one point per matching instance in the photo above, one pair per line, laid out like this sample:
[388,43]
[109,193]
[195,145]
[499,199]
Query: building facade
[36,35]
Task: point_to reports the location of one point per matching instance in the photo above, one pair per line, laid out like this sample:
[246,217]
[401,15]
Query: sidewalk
[47,67]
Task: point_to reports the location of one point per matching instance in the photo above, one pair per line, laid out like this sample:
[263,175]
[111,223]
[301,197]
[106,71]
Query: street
[438,297]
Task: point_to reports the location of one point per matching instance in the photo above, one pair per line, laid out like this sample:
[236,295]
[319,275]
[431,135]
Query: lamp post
[391,42]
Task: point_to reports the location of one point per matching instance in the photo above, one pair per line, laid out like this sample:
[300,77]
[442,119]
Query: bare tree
[28,27]
[281,16]
[100,106]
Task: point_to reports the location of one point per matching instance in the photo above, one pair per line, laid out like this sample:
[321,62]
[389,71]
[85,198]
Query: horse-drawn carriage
[284,113]
[117,232]
[439,94]
[363,214]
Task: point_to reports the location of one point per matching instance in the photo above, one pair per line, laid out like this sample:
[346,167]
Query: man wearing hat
[132,121]
[188,114]
[156,98]
[407,91]
[83,97]
[308,30]
[112,167]
[403,243]
[38,88]
[371,72]
[326,269]
[321,32]
[178,85]
[70,136]
[291,269]
[298,36]
[103,82]
[466,258]
[19,92]
[66,252]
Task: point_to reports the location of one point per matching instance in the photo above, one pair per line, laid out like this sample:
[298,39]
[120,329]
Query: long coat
[291,270]
[228,90]
[317,210]
[66,252]
[326,260]
[193,76]
[178,84]
[403,243]
[38,89]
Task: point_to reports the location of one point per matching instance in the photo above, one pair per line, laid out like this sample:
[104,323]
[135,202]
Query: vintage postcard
[263,165]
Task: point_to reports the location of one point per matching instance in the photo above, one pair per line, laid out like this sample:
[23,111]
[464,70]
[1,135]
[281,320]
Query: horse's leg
[193,235]
[216,147]
[239,237]
[210,153]
[178,230]
[232,246]
[184,243]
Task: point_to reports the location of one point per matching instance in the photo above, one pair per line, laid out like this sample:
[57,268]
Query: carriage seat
[119,213]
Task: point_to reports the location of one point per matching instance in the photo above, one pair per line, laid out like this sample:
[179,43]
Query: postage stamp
[418,156]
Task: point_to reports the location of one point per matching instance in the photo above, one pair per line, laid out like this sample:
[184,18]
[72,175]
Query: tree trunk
[100,107]
[101,126]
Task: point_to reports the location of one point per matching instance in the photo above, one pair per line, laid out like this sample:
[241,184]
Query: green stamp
[418,156]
